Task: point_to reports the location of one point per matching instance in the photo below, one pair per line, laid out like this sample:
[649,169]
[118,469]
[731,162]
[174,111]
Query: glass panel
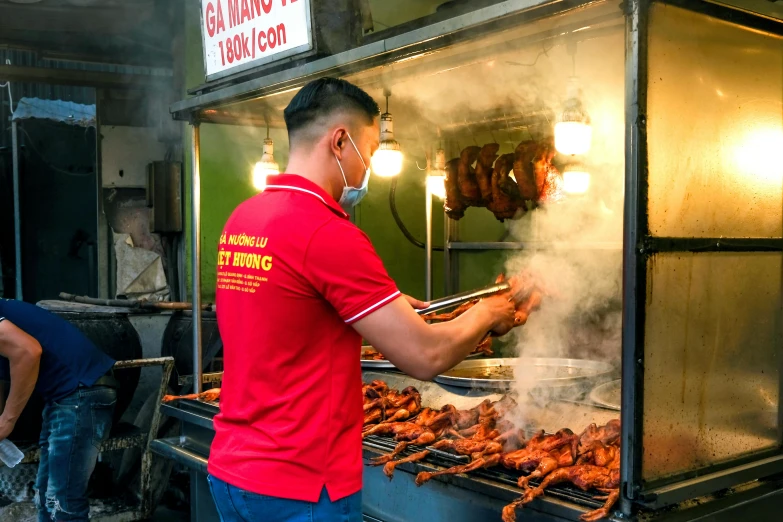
[711,377]
[715,127]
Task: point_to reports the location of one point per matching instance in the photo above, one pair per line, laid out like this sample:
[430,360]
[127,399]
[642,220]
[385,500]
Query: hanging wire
[544,52]
[393,206]
[10,97]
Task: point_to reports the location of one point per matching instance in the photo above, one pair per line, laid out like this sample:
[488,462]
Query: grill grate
[499,474]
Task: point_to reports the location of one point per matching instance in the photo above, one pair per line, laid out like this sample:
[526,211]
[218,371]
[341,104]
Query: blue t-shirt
[68,358]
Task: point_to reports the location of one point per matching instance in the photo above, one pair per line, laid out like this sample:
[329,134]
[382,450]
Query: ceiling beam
[76,77]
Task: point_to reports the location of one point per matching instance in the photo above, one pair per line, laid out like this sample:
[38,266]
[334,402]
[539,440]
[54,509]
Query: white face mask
[351,196]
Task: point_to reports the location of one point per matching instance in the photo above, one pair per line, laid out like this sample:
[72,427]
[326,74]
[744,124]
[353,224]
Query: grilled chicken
[597,466]
[466,177]
[486,158]
[524,171]
[590,460]
[479,461]
[206,396]
[506,201]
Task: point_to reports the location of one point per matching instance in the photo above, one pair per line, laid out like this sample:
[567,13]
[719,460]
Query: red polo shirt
[293,275]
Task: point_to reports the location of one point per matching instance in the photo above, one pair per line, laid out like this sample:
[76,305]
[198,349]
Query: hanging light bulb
[576,179]
[436,177]
[573,132]
[387,160]
[267,166]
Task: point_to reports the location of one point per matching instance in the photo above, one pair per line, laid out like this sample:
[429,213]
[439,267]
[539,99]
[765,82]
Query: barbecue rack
[502,475]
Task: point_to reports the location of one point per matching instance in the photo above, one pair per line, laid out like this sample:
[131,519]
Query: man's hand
[415,303]
[501,309]
[6,427]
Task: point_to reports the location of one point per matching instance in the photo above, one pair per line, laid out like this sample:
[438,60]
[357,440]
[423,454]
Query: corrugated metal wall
[85,95]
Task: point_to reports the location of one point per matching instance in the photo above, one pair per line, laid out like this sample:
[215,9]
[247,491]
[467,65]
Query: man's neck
[312,168]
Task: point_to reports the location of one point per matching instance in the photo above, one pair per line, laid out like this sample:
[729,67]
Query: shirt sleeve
[342,266]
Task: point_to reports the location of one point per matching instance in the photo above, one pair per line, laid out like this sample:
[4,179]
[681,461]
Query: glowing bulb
[573,137]
[576,179]
[266,167]
[387,160]
[436,183]
[758,155]
[573,132]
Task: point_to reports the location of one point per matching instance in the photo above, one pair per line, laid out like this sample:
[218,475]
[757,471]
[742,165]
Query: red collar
[296,183]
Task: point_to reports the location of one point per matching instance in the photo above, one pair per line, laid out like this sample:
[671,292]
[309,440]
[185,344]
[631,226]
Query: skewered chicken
[390,406]
[597,466]
[506,202]
[206,396]
[371,354]
[466,176]
[454,204]
[429,425]
[585,477]
[486,158]
[607,434]
[479,461]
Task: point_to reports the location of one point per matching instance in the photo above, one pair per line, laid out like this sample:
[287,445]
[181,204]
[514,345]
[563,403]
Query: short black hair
[324,96]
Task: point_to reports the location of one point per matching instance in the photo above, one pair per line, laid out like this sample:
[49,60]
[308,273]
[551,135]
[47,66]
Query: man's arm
[24,357]
[425,350]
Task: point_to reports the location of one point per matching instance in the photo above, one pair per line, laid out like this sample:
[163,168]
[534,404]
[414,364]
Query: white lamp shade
[573,137]
[387,162]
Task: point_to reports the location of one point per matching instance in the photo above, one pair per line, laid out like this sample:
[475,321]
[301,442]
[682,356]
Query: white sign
[240,34]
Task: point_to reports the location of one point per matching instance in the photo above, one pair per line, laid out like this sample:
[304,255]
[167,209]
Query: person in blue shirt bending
[43,353]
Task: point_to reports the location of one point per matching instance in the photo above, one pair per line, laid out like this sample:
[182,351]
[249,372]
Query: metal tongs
[464,297]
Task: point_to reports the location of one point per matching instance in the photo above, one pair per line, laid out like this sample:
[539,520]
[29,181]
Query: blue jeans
[237,505]
[73,428]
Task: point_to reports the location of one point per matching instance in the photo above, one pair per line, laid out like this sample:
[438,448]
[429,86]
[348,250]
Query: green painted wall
[229,152]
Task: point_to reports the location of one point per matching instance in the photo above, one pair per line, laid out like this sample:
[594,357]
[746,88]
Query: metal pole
[17,212]
[428,244]
[195,237]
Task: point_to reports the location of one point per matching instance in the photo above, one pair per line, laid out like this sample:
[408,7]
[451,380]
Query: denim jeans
[73,428]
[237,505]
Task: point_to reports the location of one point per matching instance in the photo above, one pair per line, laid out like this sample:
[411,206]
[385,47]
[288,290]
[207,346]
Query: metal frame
[638,246]
[195,259]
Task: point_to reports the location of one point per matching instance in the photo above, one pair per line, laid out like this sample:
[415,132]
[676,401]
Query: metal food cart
[698,87]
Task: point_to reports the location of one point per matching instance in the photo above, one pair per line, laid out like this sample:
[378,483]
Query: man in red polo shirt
[299,286]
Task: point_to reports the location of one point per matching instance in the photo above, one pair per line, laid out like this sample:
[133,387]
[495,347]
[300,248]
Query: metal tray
[607,395]
[545,372]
